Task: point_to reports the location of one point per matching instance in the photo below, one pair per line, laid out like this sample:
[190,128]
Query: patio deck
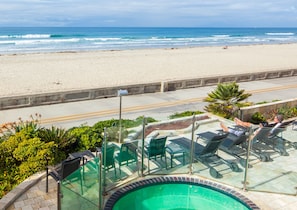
[271,185]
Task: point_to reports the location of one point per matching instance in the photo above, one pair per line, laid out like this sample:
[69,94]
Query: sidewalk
[156,105]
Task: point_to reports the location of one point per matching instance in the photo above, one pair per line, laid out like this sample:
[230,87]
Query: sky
[149,13]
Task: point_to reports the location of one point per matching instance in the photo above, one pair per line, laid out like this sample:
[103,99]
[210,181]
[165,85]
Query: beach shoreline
[36,73]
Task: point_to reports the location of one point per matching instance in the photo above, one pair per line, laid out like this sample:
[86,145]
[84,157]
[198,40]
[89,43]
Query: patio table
[82,154]
[175,151]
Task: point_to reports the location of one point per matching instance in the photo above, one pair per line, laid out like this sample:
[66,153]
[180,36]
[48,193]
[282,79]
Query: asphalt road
[156,105]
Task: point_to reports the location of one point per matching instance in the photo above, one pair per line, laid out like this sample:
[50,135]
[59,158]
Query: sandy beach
[51,72]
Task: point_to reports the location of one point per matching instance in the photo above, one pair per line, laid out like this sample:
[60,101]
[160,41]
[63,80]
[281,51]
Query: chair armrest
[54,168]
[55,175]
[53,171]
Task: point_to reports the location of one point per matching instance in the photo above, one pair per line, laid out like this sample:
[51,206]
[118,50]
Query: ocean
[14,40]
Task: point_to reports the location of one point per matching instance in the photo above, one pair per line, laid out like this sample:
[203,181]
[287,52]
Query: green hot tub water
[177,197]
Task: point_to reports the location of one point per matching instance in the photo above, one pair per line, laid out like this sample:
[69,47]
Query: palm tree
[226,100]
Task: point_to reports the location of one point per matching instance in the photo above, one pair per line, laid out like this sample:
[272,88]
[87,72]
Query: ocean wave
[221,35]
[66,35]
[64,39]
[6,42]
[102,39]
[281,34]
[44,41]
[56,35]
[30,36]
[161,39]
[37,36]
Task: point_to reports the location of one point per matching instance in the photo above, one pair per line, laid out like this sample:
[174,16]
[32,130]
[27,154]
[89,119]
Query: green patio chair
[127,154]
[109,162]
[156,149]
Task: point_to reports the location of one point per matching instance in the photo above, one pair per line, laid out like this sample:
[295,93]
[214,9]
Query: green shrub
[20,157]
[65,142]
[9,179]
[258,118]
[31,153]
[184,114]
[86,138]
[287,111]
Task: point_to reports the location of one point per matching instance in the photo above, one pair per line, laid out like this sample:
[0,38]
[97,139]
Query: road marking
[273,89]
[148,106]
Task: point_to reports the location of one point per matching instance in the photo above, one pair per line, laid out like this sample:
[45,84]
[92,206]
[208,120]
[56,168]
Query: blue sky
[170,13]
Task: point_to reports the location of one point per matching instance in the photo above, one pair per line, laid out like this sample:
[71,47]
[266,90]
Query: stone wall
[247,112]
[162,86]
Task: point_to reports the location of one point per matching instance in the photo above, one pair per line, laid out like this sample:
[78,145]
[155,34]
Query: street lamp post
[120,94]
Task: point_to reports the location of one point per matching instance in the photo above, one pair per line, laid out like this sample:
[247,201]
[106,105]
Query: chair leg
[59,195]
[81,183]
[115,172]
[148,164]
[46,186]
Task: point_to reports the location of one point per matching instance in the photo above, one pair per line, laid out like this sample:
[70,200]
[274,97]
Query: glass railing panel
[210,161]
[120,158]
[72,200]
[226,167]
[179,133]
[80,190]
[273,161]
[271,167]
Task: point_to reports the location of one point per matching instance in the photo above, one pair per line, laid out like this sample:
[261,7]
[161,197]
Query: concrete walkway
[156,105]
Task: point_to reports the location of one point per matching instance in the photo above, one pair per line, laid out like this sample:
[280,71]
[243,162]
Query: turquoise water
[57,39]
[177,197]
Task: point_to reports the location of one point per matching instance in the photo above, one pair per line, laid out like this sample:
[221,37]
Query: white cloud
[148,13]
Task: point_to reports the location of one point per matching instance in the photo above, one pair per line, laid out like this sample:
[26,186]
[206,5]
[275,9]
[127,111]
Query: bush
[257,118]
[31,154]
[86,138]
[286,111]
[20,157]
[184,114]
[65,142]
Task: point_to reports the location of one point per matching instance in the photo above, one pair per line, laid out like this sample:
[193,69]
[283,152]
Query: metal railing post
[192,146]
[245,182]
[104,159]
[100,177]
[142,147]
